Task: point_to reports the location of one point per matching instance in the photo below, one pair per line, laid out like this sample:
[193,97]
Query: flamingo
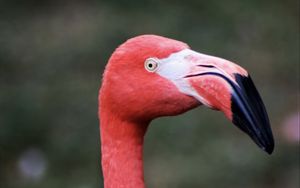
[151,76]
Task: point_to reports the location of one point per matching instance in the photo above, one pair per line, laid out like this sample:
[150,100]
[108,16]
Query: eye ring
[151,64]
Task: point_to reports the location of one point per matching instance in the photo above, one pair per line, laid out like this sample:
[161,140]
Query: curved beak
[221,85]
[249,113]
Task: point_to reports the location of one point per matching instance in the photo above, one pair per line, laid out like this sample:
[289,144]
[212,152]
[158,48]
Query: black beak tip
[249,113]
[269,149]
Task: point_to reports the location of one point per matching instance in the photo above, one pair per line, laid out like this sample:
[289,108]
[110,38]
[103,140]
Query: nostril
[207,66]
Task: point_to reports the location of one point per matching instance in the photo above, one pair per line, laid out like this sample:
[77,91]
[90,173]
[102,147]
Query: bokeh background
[52,55]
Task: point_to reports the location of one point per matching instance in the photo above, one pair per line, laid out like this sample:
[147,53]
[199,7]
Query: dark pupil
[150,65]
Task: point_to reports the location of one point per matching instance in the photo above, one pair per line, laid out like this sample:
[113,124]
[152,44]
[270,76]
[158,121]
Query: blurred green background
[52,55]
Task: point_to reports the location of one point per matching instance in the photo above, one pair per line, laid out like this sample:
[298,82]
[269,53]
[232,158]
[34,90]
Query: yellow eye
[151,64]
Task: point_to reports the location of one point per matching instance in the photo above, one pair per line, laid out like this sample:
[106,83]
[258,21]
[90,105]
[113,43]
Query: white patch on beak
[175,68]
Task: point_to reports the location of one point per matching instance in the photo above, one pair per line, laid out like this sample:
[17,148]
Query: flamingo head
[151,76]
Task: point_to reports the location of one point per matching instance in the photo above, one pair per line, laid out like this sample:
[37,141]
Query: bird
[150,76]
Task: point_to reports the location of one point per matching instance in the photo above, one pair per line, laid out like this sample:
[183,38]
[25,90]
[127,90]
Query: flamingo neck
[122,152]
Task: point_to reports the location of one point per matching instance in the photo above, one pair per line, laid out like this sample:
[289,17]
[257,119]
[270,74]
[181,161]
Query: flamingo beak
[221,85]
[249,113]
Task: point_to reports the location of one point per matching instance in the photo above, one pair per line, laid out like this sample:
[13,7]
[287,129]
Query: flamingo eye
[151,64]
